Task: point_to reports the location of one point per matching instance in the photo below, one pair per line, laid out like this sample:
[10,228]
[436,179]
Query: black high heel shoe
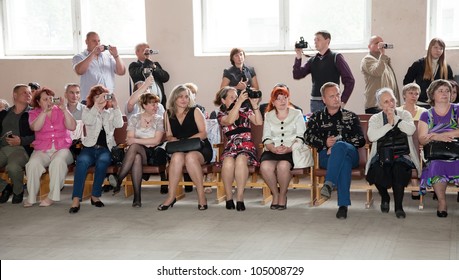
[274,206]
[202,207]
[442,214]
[282,207]
[230,204]
[163,207]
[240,206]
[74,210]
[97,203]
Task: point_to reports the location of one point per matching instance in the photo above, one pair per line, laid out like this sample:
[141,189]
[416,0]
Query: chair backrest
[364,151]
[257,138]
[364,117]
[120,134]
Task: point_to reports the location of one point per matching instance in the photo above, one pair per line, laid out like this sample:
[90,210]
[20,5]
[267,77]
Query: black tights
[133,161]
[398,195]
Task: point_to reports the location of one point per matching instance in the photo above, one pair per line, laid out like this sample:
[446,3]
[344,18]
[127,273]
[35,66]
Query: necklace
[147,122]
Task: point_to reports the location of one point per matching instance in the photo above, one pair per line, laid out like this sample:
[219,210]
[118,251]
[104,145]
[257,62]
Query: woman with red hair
[283,126]
[52,123]
[100,117]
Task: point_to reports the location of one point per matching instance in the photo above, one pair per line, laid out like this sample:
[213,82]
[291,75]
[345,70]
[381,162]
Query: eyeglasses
[281,98]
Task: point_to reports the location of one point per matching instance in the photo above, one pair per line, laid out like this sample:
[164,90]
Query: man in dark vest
[325,66]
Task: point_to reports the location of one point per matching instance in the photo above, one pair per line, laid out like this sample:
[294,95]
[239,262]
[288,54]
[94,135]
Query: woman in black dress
[183,121]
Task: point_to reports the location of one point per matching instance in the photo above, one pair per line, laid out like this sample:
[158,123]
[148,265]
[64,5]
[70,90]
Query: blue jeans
[317,105]
[101,158]
[339,164]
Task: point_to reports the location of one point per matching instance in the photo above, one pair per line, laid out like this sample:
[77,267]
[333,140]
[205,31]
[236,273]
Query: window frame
[285,41]
[78,35]
[433,22]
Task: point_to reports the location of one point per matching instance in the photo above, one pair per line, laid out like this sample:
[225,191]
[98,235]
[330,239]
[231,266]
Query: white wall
[170,29]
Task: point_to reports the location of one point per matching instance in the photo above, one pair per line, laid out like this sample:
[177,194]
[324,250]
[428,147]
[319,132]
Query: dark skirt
[267,155]
[397,174]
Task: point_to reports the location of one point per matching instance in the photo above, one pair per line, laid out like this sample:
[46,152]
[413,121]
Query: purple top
[343,68]
[52,132]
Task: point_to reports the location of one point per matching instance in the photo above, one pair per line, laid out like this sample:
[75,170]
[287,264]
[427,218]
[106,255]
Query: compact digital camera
[302,44]
[151,52]
[388,46]
[106,47]
[56,100]
[108,97]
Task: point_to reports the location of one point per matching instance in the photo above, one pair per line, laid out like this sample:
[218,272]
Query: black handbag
[184,145]
[117,155]
[393,144]
[442,150]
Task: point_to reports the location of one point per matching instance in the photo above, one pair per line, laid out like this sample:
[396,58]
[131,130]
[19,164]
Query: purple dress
[436,171]
[239,137]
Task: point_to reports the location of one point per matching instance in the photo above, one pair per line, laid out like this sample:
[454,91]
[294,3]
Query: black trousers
[396,175]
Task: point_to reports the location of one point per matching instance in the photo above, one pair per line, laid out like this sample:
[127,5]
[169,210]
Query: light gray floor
[119,231]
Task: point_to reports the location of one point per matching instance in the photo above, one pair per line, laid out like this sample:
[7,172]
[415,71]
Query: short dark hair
[433,87]
[235,51]
[34,85]
[324,34]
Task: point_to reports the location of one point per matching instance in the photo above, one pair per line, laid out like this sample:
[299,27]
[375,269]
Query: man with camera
[98,64]
[325,66]
[144,67]
[16,137]
[378,73]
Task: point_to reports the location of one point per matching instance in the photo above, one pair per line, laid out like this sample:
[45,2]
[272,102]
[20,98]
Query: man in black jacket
[15,143]
[144,67]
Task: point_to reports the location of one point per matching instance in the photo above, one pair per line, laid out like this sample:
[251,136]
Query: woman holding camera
[240,151]
[283,127]
[396,171]
[100,117]
[439,123]
[51,122]
[145,131]
[239,75]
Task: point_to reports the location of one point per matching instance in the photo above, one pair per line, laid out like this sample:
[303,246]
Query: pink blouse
[52,132]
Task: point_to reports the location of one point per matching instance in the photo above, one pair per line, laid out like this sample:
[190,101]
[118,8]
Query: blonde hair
[174,95]
[428,71]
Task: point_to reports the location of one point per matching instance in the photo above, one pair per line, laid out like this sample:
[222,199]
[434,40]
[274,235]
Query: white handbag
[302,155]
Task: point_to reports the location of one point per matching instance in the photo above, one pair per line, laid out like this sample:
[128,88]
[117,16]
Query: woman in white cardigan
[397,173]
[283,127]
[100,117]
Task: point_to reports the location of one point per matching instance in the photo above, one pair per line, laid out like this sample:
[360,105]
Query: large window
[59,27]
[275,25]
[444,21]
